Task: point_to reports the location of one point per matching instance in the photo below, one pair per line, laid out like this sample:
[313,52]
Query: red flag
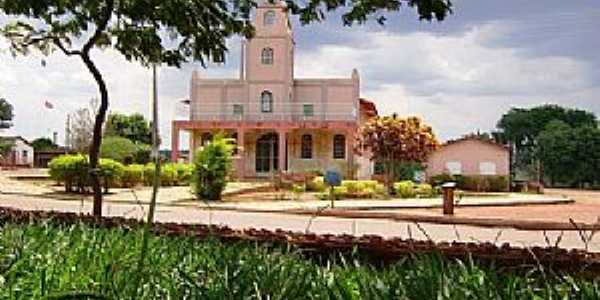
[48,105]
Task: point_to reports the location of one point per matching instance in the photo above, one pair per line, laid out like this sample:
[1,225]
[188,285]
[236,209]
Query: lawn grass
[78,262]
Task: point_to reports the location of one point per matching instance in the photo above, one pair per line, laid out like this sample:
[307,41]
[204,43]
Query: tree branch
[100,27]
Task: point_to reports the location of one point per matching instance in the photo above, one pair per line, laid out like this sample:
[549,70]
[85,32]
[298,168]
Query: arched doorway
[267,153]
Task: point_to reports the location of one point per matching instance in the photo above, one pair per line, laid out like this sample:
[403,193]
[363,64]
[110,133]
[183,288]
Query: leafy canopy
[569,155]
[172,32]
[522,126]
[43,143]
[133,127]
[391,138]
[6,114]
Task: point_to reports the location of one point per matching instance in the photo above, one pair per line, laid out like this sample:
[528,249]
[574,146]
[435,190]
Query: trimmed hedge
[73,172]
[352,189]
[476,183]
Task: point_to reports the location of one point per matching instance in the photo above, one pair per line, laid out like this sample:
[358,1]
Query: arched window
[339,146]
[306,148]
[269,18]
[267,56]
[266,102]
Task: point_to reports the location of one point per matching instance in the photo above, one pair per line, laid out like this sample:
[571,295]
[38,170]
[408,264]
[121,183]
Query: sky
[459,75]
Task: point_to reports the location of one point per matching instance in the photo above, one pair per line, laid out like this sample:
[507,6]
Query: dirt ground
[585,209]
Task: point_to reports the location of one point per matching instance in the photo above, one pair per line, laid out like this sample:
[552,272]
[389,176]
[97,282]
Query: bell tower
[269,55]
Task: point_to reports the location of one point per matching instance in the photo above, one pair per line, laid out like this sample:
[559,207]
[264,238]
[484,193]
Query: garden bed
[374,246]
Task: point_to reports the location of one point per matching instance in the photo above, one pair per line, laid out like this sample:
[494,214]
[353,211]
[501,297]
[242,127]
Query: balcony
[294,112]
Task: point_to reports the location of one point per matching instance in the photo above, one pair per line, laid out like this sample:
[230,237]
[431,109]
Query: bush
[212,163]
[149,169]
[317,185]
[142,154]
[184,173]
[132,175]
[73,171]
[110,173]
[168,175]
[476,183]
[70,170]
[425,191]
[118,148]
[298,190]
[405,189]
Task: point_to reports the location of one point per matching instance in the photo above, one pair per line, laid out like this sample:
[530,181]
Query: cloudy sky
[460,75]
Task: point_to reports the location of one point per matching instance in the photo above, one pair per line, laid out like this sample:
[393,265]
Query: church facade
[280,123]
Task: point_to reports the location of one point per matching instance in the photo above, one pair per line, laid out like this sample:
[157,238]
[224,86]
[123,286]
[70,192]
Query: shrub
[118,148]
[340,192]
[132,175]
[298,190]
[184,173]
[110,172]
[405,189]
[352,186]
[317,185]
[73,171]
[70,170]
[212,163]
[142,154]
[425,191]
[477,183]
[149,174]
[498,183]
[168,175]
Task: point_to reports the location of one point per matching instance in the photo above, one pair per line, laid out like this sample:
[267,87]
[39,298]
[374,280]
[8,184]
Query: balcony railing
[281,112]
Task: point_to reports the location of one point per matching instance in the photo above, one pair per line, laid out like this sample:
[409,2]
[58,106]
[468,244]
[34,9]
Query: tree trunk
[97,135]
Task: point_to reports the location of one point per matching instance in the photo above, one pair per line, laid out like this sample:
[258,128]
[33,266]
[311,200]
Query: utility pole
[155,147]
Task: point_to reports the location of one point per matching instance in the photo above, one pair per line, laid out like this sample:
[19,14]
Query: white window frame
[267,56]
[454,167]
[488,168]
[270,18]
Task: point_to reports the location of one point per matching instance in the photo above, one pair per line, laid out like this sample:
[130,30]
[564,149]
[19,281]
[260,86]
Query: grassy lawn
[79,262]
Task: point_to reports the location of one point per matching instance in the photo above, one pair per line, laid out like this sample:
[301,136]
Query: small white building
[20,155]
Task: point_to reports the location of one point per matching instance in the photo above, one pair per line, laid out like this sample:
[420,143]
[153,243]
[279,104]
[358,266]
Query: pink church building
[279,122]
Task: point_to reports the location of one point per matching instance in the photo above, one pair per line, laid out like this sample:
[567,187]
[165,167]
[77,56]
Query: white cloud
[457,83]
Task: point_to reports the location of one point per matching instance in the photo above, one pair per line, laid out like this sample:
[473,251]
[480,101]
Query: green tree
[43,143]
[160,31]
[6,114]
[555,150]
[134,127]
[569,155]
[520,128]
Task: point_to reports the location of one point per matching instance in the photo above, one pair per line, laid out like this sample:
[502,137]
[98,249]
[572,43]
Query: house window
[238,110]
[487,168]
[269,18]
[267,56]
[24,155]
[266,102]
[306,147]
[309,110]
[454,167]
[339,146]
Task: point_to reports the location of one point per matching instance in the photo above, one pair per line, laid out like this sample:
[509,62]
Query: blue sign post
[332,178]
